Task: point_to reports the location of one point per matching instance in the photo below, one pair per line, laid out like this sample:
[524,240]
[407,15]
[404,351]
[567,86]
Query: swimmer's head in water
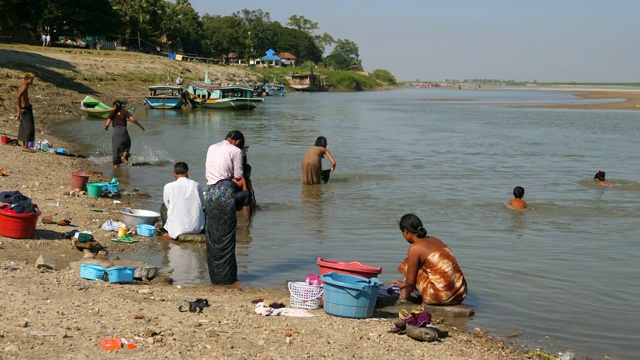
[518,192]
[599,175]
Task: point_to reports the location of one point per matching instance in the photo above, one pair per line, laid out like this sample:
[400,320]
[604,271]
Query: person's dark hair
[518,192]
[180,168]
[321,141]
[117,104]
[599,175]
[235,135]
[413,224]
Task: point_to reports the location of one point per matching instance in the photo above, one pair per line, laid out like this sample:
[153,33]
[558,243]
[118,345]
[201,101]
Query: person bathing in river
[599,179]
[312,172]
[517,203]
[120,140]
[429,267]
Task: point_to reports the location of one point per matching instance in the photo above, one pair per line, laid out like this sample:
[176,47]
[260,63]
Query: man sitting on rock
[184,203]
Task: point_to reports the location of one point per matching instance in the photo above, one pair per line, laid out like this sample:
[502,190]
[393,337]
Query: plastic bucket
[18,226]
[350,296]
[95,189]
[5,139]
[349,268]
[114,185]
[79,181]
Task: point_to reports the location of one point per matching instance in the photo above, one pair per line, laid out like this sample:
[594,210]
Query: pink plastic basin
[350,268]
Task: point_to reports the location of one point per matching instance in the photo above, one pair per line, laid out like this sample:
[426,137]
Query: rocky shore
[49,311]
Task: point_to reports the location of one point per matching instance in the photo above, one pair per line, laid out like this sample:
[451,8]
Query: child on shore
[517,203]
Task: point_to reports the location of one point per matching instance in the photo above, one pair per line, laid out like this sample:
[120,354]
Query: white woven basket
[306,296]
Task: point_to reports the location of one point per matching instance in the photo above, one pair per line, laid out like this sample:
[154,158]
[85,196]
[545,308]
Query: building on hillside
[287,59]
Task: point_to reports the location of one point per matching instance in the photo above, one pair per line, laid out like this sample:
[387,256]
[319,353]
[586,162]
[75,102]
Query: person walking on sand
[48,40]
[27,131]
[312,162]
[517,203]
[44,39]
[225,177]
[120,140]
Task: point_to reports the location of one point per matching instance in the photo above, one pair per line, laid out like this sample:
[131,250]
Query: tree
[221,35]
[260,36]
[301,23]
[347,48]
[324,40]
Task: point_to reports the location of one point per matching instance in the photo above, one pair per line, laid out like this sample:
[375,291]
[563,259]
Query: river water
[561,274]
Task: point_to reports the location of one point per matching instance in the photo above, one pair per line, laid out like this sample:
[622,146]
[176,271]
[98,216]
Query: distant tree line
[175,27]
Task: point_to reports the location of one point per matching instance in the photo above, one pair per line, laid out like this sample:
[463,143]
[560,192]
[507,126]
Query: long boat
[165,96]
[235,97]
[309,82]
[273,89]
[95,108]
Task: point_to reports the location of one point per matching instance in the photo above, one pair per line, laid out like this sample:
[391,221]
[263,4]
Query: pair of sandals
[125,239]
[49,220]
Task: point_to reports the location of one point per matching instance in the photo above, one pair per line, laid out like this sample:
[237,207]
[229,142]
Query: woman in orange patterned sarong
[429,267]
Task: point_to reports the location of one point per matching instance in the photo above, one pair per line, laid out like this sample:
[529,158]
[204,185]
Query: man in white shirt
[185,202]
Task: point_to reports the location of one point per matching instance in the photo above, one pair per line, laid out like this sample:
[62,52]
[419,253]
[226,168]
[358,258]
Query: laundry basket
[306,296]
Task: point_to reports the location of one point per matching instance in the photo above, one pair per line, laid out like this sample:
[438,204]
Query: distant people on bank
[27,129]
[48,40]
[225,176]
[312,172]
[120,139]
[183,204]
[600,179]
[517,203]
[429,267]
[179,80]
[44,39]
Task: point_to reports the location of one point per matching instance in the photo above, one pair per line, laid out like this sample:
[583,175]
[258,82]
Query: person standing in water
[120,140]
[27,130]
[225,177]
[312,162]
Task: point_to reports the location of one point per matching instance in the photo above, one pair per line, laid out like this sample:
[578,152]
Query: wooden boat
[273,89]
[309,82]
[234,97]
[95,108]
[165,96]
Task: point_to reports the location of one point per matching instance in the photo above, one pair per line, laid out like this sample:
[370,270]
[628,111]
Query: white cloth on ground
[269,311]
[185,201]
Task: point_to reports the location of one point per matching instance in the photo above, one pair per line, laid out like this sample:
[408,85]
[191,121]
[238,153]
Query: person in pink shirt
[224,174]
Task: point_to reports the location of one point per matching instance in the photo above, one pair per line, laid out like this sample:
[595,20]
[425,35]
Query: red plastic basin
[350,268]
[18,226]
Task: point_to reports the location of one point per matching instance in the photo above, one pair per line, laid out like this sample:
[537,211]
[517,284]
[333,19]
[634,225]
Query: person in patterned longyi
[225,177]
[429,267]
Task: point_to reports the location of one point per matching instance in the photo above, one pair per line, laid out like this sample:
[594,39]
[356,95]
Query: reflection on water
[454,164]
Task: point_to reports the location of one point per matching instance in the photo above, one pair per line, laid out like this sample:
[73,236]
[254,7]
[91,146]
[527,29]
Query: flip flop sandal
[125,239]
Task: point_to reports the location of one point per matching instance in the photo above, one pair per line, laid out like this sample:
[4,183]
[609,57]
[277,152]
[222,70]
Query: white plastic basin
[135,217]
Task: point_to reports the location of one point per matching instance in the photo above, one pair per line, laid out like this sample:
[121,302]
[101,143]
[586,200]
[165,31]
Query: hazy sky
[543,40]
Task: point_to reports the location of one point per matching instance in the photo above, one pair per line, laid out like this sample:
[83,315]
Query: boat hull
[95,108]
[165,96]
[222,97]
[164,104]
[232,104]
